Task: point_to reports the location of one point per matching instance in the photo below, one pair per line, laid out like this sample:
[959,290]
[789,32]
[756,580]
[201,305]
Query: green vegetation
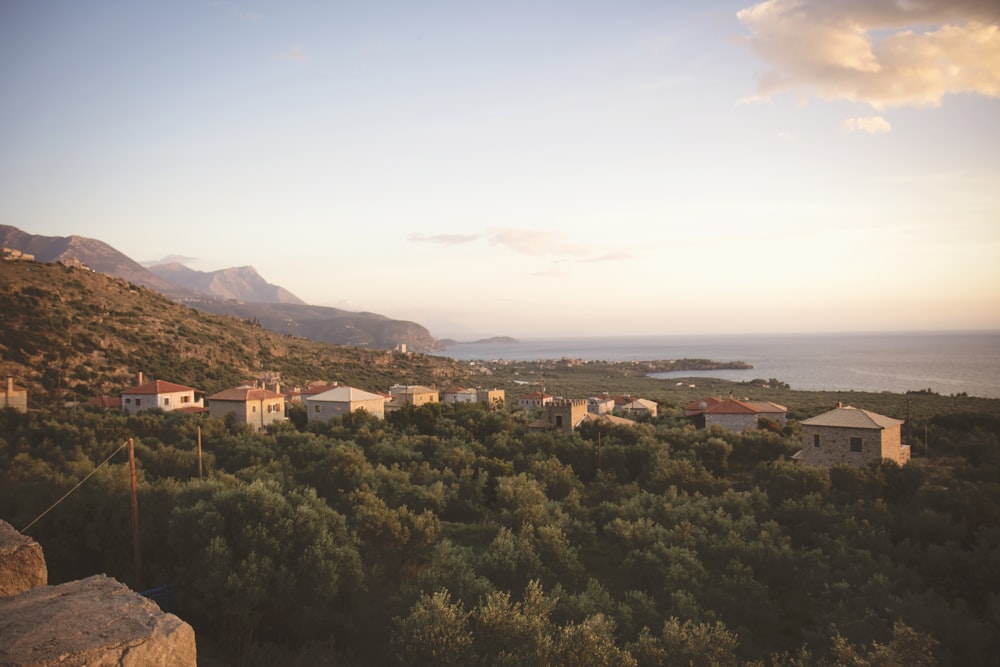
[454,535]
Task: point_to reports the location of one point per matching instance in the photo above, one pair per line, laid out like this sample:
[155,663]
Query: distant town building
[13,396]
[535,399]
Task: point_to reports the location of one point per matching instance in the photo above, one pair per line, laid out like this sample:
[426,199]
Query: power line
[78,485]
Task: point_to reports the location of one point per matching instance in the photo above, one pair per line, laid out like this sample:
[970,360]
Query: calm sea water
[947,363]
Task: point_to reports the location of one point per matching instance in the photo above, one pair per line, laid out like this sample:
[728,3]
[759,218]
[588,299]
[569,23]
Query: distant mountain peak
[241,282]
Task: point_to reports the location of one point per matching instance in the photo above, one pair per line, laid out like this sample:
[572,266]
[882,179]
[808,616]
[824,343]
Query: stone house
[343,400]
[492,398]
[600,405]
[413,394]
[640,406]
[166,396]
[853,436]
[734,415]
[535,399]
[14,397]
[252,405]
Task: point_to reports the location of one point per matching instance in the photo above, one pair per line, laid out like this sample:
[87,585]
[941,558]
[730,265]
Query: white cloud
[443,239]
[870,124]
[533,242]
[882,52]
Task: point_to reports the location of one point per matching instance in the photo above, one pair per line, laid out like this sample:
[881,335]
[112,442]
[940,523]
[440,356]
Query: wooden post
[199,453]
[136,552]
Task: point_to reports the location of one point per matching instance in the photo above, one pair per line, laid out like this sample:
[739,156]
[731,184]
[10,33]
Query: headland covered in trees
[456,534]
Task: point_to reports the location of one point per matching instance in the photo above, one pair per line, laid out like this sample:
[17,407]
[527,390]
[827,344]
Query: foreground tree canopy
[451,535]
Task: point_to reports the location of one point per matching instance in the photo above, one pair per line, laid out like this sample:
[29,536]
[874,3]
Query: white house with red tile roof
[166,396]
[251,405]
[853,436]
[459,395]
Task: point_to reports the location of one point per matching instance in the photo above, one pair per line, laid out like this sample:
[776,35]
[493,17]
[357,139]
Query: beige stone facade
[343,400]
[852,436]
[251,405]
[415,395]
[565,413]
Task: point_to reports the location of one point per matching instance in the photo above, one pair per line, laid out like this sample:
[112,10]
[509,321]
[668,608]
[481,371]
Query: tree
[435,633]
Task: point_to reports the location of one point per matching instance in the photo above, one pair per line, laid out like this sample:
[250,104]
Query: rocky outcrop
[93,621]
[22,564]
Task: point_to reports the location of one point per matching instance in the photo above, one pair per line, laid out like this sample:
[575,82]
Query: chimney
[140,377]
[839,404]
[277,388]
[10,386]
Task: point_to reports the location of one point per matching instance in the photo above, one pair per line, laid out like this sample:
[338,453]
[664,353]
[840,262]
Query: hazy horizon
[530,169]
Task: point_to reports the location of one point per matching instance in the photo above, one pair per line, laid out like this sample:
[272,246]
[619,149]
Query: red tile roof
[159,387]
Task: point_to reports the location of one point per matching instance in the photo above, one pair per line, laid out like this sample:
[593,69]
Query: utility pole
[136,552]
[199,453]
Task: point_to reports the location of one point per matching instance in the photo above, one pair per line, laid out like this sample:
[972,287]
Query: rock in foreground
[93,621]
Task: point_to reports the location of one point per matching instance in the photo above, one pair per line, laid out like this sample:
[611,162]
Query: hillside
[241,292]
[71,334]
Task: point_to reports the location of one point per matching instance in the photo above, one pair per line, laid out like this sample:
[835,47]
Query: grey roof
[851,417]
[344,394]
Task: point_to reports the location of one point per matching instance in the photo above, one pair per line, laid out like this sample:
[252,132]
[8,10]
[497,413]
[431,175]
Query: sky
[529,168]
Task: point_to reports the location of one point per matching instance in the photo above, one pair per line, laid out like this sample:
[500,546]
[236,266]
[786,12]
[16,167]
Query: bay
[947,363]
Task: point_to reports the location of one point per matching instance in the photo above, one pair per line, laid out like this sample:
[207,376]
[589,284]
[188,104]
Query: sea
[953,362]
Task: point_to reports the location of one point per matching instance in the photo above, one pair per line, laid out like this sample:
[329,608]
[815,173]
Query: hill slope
[243,287]
[71,334]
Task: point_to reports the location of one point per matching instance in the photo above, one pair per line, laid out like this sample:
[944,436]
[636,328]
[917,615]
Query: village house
[297,394]
[413,394]
[490,397]
[343,400]
[640,406]
[14,397]
[535,399]
[166,396]
[600,405]
[252,405]
[567,414]
[853,436]
[734,415]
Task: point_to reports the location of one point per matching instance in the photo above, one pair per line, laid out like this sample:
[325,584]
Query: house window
[166,400]
[253,408]
[138,401]
[317,408]
[816,440]
[855,444]
[185,399]
[128,401]
[559,421]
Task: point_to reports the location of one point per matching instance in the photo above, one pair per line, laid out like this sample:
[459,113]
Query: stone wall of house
[565,413]
[736,423]
[93,621]
[835,445]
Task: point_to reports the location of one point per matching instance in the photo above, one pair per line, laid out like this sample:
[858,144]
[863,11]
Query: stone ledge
[22,563]
[96,621]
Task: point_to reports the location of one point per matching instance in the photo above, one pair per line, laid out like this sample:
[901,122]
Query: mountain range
[239,291]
